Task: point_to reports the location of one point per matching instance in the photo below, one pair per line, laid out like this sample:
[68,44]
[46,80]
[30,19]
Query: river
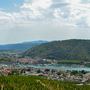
[54,67]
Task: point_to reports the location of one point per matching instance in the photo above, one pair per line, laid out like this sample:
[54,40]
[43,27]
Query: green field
[70,62]
[5,59]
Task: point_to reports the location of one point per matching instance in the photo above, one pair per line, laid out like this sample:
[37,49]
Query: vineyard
[35,83]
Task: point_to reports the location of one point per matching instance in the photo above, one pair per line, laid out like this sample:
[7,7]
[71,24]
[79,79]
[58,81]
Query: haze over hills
[62,50]
[21,46]
[39,41]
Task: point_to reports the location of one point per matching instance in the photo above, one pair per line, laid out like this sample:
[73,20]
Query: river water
[54,67]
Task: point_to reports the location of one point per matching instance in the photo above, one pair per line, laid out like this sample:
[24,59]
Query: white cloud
[47,16]
[38,3]
[85,1]
[41,10]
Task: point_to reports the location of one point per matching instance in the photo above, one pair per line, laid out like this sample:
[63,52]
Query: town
[75,77]
[15,58]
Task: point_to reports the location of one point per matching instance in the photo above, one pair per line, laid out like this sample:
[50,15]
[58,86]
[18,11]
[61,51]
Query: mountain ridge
[21,46]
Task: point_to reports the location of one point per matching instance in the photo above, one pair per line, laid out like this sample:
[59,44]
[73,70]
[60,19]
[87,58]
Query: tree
[47,69]
[14,72]
[38,71]
[52,71]
[58,73]
[74,72]
[22,71]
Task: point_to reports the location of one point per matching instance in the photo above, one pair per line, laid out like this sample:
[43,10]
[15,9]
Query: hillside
[62,50]
[35,83]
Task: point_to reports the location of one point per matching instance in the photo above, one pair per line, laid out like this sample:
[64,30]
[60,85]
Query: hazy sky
[28,20]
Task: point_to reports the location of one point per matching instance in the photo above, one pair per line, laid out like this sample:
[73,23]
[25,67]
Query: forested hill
[62,50]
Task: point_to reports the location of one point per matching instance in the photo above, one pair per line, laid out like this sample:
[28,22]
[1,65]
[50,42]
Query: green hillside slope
[35,83]
[62,50]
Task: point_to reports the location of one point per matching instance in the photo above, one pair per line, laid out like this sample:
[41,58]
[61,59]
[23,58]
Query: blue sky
[9,5]
[29,20]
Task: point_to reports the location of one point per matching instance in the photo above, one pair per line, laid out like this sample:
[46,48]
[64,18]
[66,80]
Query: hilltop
[62,50]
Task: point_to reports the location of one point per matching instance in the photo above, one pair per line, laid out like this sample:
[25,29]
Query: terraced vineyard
[35,83]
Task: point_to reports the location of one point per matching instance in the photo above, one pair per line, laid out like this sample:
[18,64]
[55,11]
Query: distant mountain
[62,50]
[39,41]
[21,46]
